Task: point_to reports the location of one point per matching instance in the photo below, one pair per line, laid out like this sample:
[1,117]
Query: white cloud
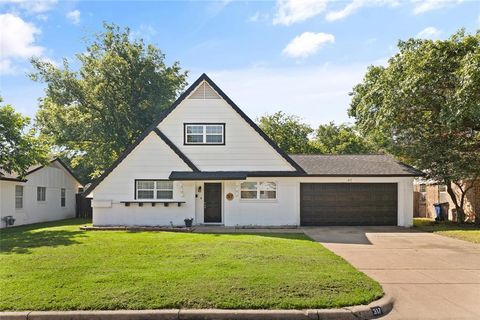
[292,11]
[307,43]
[18,37]
[31,6]
[74,16]
[355,5]
[346,11]
[318,94]
[429,33]
[17,41]
[421,6]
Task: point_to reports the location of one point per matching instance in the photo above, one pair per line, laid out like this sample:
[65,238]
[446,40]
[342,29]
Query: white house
[205,159]
[46,193]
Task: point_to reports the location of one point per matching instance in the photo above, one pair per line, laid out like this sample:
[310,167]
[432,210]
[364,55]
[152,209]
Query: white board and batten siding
[151,159]
[53,177]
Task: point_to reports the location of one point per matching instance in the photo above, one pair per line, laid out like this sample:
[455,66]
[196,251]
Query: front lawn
[467,232]
[55,266]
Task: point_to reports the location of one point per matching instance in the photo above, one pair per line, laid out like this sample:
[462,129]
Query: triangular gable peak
[245,147]
[204,91]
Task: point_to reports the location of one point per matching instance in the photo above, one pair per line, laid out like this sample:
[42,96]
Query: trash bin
[438,211]
[444,206]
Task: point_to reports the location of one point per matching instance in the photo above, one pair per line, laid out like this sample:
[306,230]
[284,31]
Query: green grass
[467,232]
[55,266]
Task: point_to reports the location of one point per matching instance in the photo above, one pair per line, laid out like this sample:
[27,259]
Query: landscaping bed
[468,232]
[57,266]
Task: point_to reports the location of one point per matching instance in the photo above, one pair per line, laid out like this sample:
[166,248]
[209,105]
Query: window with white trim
[263,190]
[154,189]
[62,197]
[41,193]
[197,133]
[18,197]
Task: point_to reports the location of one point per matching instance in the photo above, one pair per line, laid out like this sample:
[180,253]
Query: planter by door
[212,210]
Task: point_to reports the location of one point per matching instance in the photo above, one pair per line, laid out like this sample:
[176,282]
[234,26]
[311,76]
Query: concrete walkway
[429,276]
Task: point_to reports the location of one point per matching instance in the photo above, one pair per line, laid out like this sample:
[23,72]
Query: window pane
[268,186]
[41,193]
[249,185]
[145,194]
[18,203]
[248,194]
[423,188]
[194,138]
[442,188]
[214,138]
[165,185]
[195,129]
[268,194]
[215,129]
[18,191]
[145,185]
[164,194]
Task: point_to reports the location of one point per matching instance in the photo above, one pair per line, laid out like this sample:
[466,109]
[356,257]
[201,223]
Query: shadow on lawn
[25,241]
[22,239]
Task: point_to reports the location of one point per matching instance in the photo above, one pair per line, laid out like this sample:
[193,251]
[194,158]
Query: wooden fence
[83,207]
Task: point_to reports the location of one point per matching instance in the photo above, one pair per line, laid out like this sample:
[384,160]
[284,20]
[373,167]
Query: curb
[374,310]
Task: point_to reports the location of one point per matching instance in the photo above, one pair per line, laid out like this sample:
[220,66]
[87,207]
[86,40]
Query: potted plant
[188,222]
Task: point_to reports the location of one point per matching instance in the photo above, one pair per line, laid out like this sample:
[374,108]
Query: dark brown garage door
[348,204]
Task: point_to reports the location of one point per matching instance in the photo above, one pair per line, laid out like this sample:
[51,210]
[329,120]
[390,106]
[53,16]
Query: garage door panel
[348,203]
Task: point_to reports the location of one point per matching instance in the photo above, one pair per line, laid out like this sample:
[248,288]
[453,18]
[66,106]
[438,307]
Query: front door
[212,207]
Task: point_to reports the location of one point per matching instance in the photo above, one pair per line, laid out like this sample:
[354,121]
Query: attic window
[204,133]
[204,91]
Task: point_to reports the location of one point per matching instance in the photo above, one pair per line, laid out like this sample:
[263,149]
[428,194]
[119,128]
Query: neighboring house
[205,159]
[426,194]
[46,193]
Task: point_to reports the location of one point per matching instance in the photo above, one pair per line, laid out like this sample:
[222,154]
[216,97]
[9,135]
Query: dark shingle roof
[9,176]
[354,165]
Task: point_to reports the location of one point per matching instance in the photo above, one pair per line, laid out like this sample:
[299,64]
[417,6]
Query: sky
[302,57]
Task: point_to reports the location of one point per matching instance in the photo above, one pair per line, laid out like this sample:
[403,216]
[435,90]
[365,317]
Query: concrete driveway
[430,276]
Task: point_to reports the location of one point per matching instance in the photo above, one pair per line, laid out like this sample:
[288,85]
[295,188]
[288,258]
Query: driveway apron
[429,276]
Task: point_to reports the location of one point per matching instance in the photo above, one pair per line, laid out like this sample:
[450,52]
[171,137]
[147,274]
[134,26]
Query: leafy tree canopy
[288,131]
[20,148]
[121,87]
[340,139]
[424,107]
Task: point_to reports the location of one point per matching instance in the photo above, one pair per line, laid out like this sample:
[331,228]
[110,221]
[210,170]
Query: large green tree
[424,107]
[121,86]
[340,139]
[20,148]
[288,132]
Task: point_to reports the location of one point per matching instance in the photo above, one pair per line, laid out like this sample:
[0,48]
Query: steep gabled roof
[166,112]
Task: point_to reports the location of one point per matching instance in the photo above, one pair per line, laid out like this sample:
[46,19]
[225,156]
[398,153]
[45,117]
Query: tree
[340,139]
[290,134]
[20,148]
[121,87]
[424,107]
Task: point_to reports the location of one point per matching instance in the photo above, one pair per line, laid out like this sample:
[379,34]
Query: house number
[377,311]
[229,196]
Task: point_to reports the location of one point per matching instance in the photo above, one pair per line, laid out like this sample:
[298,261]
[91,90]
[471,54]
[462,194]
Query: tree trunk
[458,206]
